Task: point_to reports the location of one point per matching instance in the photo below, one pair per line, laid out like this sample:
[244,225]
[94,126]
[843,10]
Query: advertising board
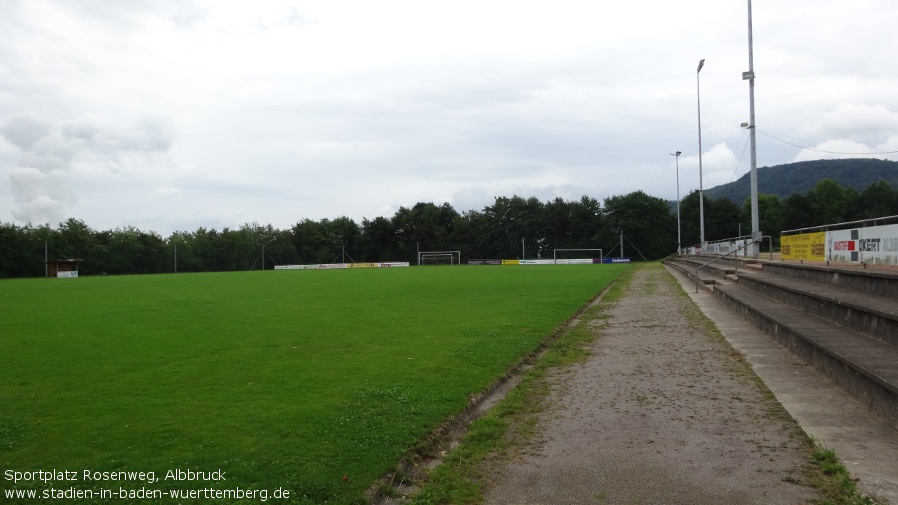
[876,244]
[484,262]
[615,260]
[804,246]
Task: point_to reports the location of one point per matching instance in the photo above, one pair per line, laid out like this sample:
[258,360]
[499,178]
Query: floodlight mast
[750,76]
[701,197]
[679,239]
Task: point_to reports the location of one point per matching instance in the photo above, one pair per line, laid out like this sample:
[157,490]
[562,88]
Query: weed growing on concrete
[831,477]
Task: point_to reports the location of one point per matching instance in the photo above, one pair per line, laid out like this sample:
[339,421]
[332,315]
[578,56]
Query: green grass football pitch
[314,382]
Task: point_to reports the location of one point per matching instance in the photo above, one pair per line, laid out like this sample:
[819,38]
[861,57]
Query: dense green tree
[344,236]
[771,217]
[181,252]
[512,223]
[646,223]
[831,203]
[311,240]
[878,200]
[508,228]
[378,240]
[722,219]
[22,249]
[690,219]
[277,245]
[798,212]
[572,224]
[75,239]
[425,227]
[470,233]
[127,251]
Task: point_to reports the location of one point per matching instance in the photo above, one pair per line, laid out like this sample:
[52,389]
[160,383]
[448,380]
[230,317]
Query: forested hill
[800,177]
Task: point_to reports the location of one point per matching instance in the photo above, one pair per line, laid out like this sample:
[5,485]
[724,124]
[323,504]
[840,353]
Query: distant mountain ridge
[799,177]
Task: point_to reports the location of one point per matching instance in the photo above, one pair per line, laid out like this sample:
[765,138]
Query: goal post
[439,258]
[556,259]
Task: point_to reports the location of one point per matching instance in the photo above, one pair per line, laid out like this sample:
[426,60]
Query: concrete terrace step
[875,281]
[871,314]
[864,366]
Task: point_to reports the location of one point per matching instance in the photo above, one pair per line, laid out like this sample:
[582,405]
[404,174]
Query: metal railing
[734,251]
[826,227]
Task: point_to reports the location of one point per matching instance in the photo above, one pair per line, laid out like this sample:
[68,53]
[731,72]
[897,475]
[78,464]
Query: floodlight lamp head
[700,65]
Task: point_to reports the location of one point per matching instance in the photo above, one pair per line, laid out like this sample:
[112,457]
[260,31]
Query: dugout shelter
[63,268]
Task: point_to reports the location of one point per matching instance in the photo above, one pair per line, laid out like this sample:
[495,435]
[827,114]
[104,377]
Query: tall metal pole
[621,243]
[176,258]
[679,239]
[701,196]
[750,75]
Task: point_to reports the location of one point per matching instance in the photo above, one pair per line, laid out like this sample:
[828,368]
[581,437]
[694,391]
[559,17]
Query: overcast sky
[175,114]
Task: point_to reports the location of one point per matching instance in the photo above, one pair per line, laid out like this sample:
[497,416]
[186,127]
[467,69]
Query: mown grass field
[315,382]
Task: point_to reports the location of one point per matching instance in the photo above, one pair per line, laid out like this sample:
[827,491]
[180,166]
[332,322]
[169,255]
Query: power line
[747,138]
[819,150]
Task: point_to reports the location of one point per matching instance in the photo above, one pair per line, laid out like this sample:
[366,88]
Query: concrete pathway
[662,412]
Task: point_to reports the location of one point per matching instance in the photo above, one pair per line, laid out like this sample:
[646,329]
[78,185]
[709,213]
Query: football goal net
[570,256]
[439,258]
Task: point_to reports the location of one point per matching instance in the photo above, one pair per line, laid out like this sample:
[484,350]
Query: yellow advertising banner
[806,246]
[511,262]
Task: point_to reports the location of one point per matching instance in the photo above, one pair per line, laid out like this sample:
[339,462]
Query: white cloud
[41,196]
[213,113]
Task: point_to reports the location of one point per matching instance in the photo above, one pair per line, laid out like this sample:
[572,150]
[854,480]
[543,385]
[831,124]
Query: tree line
[511,227]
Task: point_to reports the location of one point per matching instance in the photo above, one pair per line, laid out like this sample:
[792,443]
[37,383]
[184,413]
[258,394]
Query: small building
[64,268]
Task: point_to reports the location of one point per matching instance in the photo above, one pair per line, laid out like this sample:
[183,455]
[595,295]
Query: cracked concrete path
[663,411]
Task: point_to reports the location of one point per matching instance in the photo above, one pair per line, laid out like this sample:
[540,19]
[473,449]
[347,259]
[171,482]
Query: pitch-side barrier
[334,266]
[567,261]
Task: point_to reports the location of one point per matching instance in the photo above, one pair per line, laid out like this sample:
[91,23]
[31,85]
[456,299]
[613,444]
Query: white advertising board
[332,266]
[876,244]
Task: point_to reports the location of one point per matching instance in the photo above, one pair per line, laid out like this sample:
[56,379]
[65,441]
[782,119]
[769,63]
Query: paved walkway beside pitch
[663,411]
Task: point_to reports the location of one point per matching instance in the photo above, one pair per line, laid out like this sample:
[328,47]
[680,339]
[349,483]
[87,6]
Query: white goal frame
[454,256]
[555,253]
